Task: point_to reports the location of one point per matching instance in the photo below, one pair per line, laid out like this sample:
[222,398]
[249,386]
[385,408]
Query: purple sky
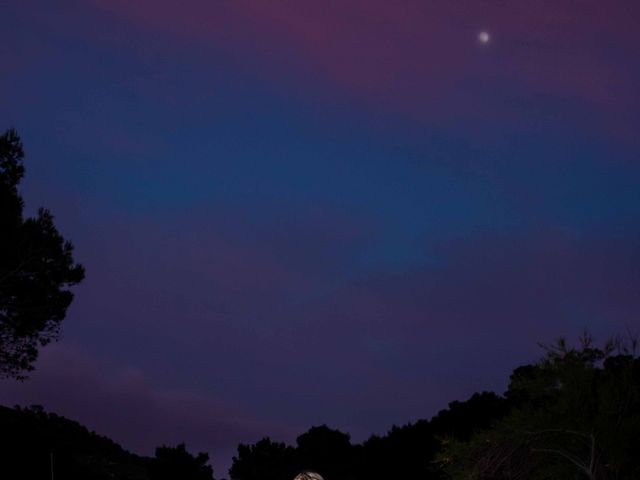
[299,212]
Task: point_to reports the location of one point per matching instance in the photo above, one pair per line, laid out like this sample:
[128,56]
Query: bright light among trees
[308,476]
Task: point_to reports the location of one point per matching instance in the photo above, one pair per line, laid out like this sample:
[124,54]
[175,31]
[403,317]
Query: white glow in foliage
[308,476]
[484,37]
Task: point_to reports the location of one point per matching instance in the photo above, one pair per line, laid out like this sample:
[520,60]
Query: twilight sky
[296,212]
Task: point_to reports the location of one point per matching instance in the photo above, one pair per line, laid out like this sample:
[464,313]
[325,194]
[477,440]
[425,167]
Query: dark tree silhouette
[172,463]
[326,451]
[462,419]
[35,444]
[575,414]
[36,270]
[266,460]
[404,452]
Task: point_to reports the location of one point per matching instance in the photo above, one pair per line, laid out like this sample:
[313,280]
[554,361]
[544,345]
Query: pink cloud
[421,58]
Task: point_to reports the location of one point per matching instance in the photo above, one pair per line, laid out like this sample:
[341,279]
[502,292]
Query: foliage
[266,460]
[36,270]
[171,463]
[325,450]
[575,414]
[32,442]
[406,451]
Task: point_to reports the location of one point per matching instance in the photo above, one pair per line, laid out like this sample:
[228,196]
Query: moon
[484,37]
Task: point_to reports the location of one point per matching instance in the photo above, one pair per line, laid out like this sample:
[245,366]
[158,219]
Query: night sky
[297,212]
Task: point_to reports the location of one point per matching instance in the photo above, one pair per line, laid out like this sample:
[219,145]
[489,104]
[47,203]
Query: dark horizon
[348,214]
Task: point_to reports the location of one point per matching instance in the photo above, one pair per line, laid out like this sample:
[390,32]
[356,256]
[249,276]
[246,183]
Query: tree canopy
[574,414]
[37,270]
[171,463]
[36,444]
[408,451]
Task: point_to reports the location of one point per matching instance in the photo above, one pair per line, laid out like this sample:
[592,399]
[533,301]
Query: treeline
[403,451]
[33,443]
[37,445]
[574,414]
